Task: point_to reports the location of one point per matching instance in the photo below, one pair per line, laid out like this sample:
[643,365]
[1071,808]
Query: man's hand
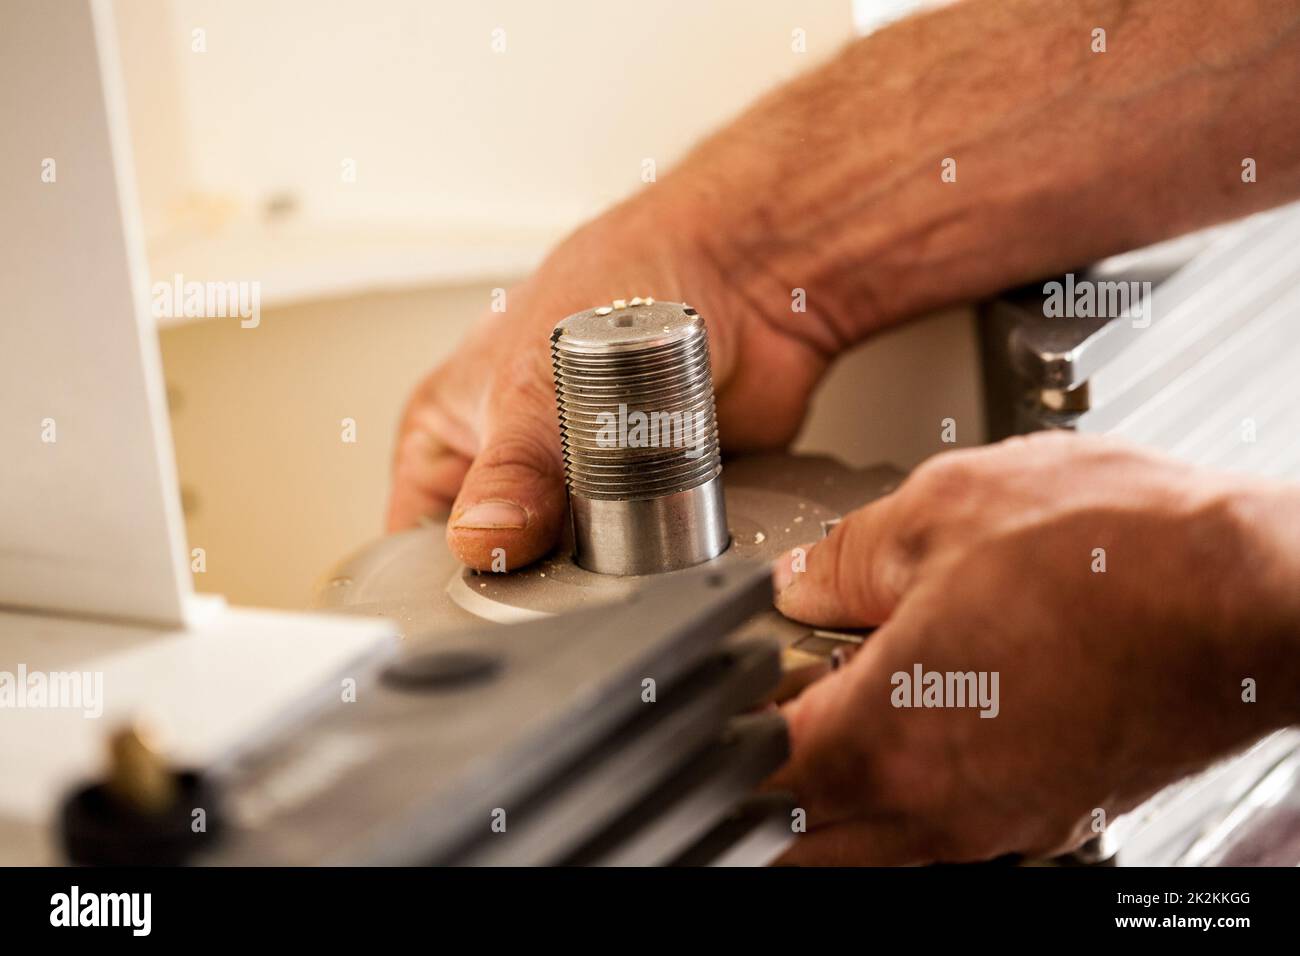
[1122,600]
[831,192]
[480,435]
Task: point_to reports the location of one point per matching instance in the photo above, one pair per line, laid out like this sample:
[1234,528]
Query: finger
[837,772]
[854,577]
[426,478]
[841,737]
[434,446]
[838,769]
[824,774]
[763,380]
[512,497]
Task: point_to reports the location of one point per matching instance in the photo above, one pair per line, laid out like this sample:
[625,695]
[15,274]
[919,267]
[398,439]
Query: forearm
[832,184]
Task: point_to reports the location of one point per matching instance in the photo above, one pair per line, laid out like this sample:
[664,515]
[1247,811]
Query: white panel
[208,693]
[89,522]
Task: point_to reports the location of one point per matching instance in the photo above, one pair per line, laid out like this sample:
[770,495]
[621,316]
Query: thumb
[854,577]
[512,500]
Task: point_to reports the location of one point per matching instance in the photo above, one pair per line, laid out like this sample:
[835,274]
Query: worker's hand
[1120,599]
[480,434]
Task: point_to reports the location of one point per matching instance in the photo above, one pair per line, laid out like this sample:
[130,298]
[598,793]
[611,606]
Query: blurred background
[379,168]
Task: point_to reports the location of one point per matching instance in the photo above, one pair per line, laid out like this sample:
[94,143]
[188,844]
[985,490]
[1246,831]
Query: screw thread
[635,399]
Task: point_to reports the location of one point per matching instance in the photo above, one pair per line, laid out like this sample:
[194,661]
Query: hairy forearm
[833,185]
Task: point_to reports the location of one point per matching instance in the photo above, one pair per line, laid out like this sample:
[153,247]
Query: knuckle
[868,574]
[427,406]
[940,482]
[943,468]
[413,445]
[528,452]
[527,385]
[857,560]
[844,563]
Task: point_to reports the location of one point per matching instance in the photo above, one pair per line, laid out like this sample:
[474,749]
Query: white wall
[441,127]
[468,157]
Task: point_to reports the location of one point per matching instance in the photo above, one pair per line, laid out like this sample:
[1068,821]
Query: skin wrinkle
[847,581]
[802,333]
[924,235]
[825,220]
[525,451]
[1004,522]
[832,184]
[849,325]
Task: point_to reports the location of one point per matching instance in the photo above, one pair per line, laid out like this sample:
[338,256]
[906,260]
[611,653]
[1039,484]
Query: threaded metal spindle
[640,437]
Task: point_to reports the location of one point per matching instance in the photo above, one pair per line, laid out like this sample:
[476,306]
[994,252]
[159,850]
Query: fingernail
[492,514]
